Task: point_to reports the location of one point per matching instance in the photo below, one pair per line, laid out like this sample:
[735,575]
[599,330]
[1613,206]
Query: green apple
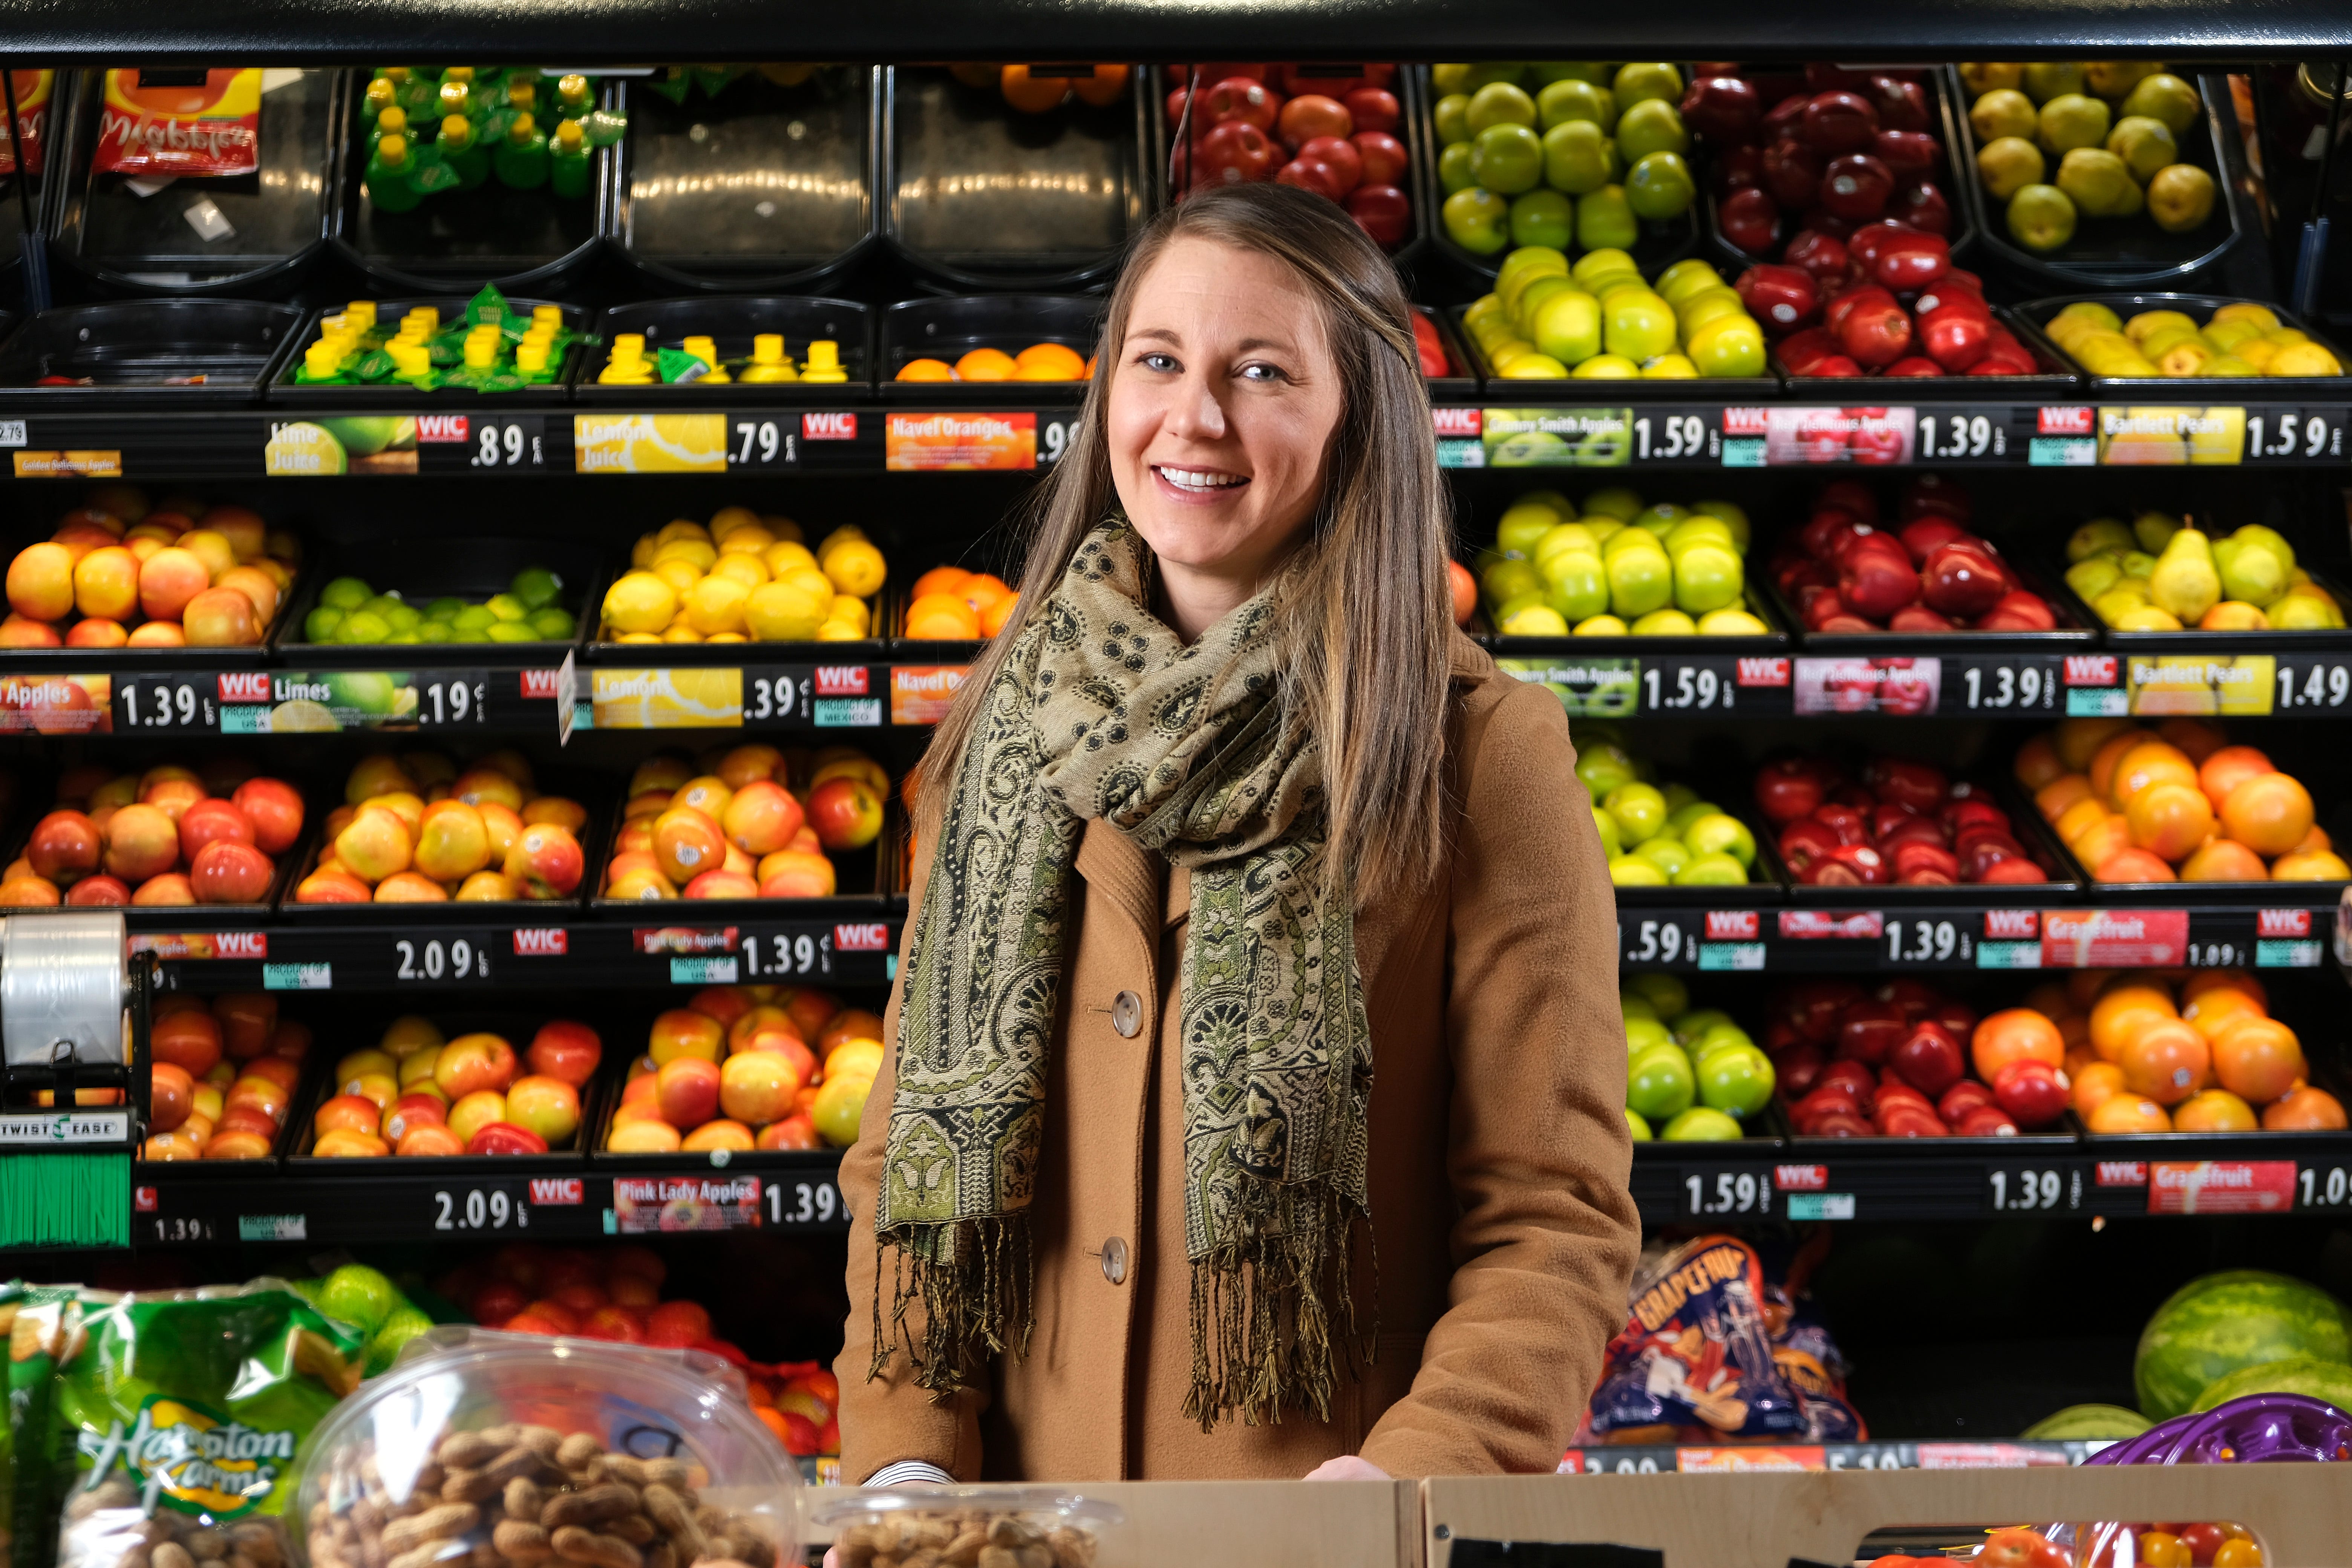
[1661,519]
[1452,117]
[1660,1082]
[1639,811]
[1712,871]
[1636,1125]
[1633,1006]
[1453,168]
[1468,79]
[1477,220]
[1499,103]
[1523,526]
[1651,126]
[1562,539]
[1543,218]
[1639,326]
[1659,186]
[1686,277]
[1667,854]
[1621,501]
[1568,327]
[1722,834]
[1737,1081]
[1579,586]
[1544,287]
[1697,527]
[1664,993]
[1632,871]
[1707,576]
[1534,621]
[1507,158]
[1728,345]
[1510,577]
[1719,1034]
[1701,1124]
[1678,795]
[1563,102]
[1640,580]
[1607,367]
[1687,810]
[1733,516]
[1603,767]
[1642,82]
[1603,218]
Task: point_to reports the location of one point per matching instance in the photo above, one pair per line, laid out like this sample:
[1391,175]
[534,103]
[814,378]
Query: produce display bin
[863,882]
[2133,253]
[948,329]
[473,570]
[2081,634]
[239,234]
[2037,315]
[2055,377]
[980,196]
[731,322]
[148,354]
[377,396]
[766,186]
[2190,640]
[1602,391]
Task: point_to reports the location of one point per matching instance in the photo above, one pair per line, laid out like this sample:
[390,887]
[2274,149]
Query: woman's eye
[1261,372]
[1164,364]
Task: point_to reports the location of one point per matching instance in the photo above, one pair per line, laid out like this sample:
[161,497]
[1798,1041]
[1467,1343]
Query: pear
[2120,600]
[2185,584]
[2093,575]
[2154,530]
[2098,534]
[2279,547]
[2250,570]
[2138,565]
[2301,612]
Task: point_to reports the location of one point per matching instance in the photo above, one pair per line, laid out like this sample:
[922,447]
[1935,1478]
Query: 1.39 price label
[152,703]
[814,1202]
[2009,686]
[2032,1191]
[1964,435]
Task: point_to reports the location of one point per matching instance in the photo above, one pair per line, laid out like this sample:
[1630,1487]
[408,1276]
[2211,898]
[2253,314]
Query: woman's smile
[1194,485]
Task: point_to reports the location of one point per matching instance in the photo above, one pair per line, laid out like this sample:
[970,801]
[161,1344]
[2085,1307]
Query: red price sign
[2220,1187]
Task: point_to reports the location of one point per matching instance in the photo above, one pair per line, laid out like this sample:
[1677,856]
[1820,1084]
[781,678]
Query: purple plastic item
[2262,1428]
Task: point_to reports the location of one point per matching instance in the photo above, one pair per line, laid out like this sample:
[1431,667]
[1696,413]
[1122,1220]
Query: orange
[2214,1111]
[2106,837]
[2169,819]
[2132,866]
[2084,814]
[2146,763]
[2258,1059]
[941,617]
[2223,860]
[1048,361]
[2060,792]
[2198,738]
[2210,1012]
[2128,1113]
[940,580]
[2015,1035]
[2311,866]
[2123,1013]
[2094,1086]
[2306,1109]
[2227,768]
[2168,1061]
[1091,365]
[992,619]
[980,590]
[2269,814]
[2243,980]
[2076,741]
[926,370]
[2111,752]
[2037,764]
[985,364]
[2313,841]
[1031,95]
[1104,87]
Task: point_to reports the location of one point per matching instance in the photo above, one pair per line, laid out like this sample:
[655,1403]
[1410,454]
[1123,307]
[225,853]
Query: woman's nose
[1197,415]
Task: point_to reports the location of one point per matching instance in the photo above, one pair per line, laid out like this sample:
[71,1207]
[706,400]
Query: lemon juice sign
[186,1456]
[1558,437]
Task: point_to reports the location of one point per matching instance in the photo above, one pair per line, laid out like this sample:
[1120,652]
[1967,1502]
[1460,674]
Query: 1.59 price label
[2295,435]
[1677,435]
[1714,1195]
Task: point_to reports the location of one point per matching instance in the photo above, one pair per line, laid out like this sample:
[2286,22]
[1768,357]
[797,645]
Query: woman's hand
[1348,1468]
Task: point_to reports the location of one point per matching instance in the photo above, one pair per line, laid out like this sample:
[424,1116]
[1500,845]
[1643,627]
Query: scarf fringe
[975,1278]
[1263,1310]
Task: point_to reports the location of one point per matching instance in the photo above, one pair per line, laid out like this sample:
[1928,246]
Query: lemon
[839,631]
[809,580]
[716,604]
[640,553]
[856,567]
[679,574]
[681,528]
[782,527]
[749,540]
[785,611]
[1731,623]
[746,569]
[728,519]
[784,555]
[697,550]
[851,610]
[681,634]
[639,602]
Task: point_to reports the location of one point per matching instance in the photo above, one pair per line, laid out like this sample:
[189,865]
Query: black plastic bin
[378,395]
[2037,314]
[763,187]
[276,218]
[950,328]
[2055,376]
[731,322]
[473,569]
[979,195]
[139,354]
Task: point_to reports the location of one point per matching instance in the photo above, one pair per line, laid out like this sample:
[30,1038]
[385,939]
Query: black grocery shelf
[286,32]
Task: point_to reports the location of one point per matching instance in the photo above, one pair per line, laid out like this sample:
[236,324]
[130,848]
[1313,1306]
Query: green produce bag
[178,1418]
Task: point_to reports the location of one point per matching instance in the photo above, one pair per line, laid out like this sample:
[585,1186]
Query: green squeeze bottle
[456,96]
[462,151]
[379,97]
[573,99]
[521,159]
[387,176]
[414,88]
[391,122]
[567,160]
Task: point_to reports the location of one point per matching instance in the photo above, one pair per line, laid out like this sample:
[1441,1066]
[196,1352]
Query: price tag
[933,443]
[480,443]
[452,699]
[2213,685]
[1678,435]
[2114,939]
[2312,681]
[2288,939]
[297,978]
[2324,1187]
[2217,955]
[1556,438]
[166,704]
[1663,942]
[2032,1189]
[1587,688]
[499,1206]
[172,1229]
[1715,1194]
[2027,684]
[777,696]
[811,1203]
[762,442]
[667,699]
[1807,437]
[2220,1187]
[646,1205]
[787,952]
[441,959]
[1054,433]
[650,443]
[1928,942]
[1964,435]
[1899,687]
[2295,435]
[1671,685]
[56,705]
[2171,437]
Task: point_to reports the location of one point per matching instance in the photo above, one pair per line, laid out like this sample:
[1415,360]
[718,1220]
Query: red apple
[686,1091]
[1725,109]
[65,846]
[548,1107]
[227,872]
[1385,214]
[1792,172]
[275,809]
[473,1063]
[143,841]
[847,814]
[211,820]
[546,861]
[565,1050]
[1836,123]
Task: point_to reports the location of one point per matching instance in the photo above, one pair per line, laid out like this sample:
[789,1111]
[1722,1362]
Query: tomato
[1311,174]
[1239,97]
[1385,213]
[2018,1548]
[2202,1541]
[1235,153]
[1311,115]
[1382,156]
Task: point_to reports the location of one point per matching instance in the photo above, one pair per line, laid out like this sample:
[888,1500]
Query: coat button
[1127,1015]
[1113,1259]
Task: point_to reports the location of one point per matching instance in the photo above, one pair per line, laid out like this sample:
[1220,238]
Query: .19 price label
[816,1202]
[446,698]
[2029,1191]
[479,1208]
[1729,1192]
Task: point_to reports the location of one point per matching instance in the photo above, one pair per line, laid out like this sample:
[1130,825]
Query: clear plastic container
[966,1527]
[479,1446]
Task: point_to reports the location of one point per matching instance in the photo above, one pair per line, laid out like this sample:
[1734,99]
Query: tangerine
[2015,1035]
[2061,793]
[2213,1011]
[2128,1113]
[2123,1013]
[2168,818]
[992,619]
[2311,866]
[2150,762]
[2258,1059]
[2094,1086]
[2227,768]
[2102,768]
[1048,361]
[2168,1061]
[1031,95]
[981,590]
[2223,860]
[2305,1110]
[1104,87]
[940,580]
[926,370]
[2078,740]
[2313,841]
[984,364]
[2269,814]
[2214,1111]
[2134,865]
[2081,816]
[2037,764]
[941,617]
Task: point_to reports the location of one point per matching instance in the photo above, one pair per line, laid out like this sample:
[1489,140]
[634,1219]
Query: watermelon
[2087,1423]
[2327,1380]
[2221,1322]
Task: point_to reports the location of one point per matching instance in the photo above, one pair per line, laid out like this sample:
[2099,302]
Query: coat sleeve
[1539,1154]
[889,1418]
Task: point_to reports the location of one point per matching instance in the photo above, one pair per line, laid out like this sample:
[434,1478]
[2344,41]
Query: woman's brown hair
[1368,606]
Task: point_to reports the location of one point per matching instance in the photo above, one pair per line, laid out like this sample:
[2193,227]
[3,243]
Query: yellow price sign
[650,442]
[668,699]
[74,465]
[2172,438]
[2208,685]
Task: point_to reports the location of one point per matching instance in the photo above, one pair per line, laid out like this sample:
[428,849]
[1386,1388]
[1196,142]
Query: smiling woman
[1262,916]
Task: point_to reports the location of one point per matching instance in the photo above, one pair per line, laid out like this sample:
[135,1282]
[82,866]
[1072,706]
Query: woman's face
[1224,403]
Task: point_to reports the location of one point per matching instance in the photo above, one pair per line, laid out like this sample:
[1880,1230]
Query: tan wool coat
[1505,1233]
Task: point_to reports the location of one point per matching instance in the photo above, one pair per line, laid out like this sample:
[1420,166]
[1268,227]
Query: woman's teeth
[1199,479]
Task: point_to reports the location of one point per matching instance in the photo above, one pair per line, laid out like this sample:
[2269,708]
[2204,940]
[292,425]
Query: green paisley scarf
[1101,711]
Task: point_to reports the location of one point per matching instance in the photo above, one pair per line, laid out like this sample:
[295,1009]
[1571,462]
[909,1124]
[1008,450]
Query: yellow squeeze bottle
[823,363]
[769,362]
[627,366]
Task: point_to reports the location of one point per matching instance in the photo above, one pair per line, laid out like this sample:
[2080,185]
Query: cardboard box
[2302,1513]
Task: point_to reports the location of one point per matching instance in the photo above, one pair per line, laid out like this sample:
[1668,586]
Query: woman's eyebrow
[1162,333]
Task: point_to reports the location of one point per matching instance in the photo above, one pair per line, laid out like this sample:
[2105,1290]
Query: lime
[434,631]
[321,625]
[404,639]
[345,593]
[508,607]
[382,604]
[442,608]
[361,1297]
[404,1325]
[510,631]
[404,617]
[362,626]
[536,587]
[472,620]
[551,623]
